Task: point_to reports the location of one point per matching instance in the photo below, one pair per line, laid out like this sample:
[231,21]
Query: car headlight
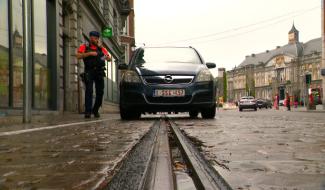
[131,77]
[204,76]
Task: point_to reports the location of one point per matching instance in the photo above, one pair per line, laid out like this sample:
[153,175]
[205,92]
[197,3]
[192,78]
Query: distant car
[281,102]
[247,102]
[264,103]
[167,79]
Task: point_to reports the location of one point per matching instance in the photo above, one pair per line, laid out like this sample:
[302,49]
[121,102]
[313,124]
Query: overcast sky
[225,31]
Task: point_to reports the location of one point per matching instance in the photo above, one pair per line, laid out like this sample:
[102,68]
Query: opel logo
[168,79]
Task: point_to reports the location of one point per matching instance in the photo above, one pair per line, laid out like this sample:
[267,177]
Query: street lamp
[133,47]
[302,75]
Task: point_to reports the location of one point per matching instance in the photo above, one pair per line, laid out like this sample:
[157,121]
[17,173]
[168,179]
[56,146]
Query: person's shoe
[87,115]
[97,115]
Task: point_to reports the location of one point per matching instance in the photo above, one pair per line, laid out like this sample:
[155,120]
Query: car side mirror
[211,65]
[122,66]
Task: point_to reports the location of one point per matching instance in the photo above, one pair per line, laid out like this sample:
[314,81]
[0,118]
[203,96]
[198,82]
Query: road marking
[49,127]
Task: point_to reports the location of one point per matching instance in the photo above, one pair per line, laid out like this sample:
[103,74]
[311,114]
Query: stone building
[58,27]
[127,36]
[278,71]
[220,82]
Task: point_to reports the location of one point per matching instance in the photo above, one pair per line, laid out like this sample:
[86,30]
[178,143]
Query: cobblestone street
[267,149]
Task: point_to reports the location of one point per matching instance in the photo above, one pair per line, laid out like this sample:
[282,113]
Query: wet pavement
[80,156]
[267,149]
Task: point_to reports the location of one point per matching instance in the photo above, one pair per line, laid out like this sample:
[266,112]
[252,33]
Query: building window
[125,30]
[11,54]
[17,52]
[4,54]
[41,72]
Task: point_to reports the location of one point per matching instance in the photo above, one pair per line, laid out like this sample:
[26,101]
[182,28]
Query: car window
[167,56]
[247,98]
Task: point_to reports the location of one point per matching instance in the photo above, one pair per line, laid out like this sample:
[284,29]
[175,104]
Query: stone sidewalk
[319,108]
[66,153]
[15,117]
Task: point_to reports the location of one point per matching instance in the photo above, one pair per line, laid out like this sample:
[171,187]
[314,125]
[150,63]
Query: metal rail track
[204,175]
[149,165]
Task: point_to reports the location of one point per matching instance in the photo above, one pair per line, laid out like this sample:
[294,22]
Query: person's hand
[100,44]
[92,53]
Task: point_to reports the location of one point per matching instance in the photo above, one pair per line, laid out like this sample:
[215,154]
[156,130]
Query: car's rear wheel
[209,113]
[255,108]
[193,114]
[129,114]
[240,109]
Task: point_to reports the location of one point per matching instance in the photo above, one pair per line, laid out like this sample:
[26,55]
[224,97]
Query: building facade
[58,27]
[220,84]
[278,71]
[127,37]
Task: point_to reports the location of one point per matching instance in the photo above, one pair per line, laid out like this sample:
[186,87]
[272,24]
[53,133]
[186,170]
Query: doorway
[282,92]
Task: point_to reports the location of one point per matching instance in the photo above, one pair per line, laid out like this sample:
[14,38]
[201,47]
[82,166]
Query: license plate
[169,93]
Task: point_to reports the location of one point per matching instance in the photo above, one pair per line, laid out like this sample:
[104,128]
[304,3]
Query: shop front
[11,55]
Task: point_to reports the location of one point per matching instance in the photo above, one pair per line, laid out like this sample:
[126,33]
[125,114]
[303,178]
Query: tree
[224,87]
[253,88]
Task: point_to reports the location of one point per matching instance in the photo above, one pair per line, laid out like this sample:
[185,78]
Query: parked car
[247,102]
[167,79]
[264,103]
[281,102]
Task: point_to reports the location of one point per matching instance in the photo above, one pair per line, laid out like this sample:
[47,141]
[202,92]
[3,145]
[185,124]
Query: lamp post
[323,50]
[27,41]
[302,75]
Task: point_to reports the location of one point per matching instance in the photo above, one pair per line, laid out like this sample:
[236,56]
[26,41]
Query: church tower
[293,35]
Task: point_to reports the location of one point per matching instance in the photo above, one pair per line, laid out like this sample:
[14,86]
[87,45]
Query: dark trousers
[288,106]
[99,86]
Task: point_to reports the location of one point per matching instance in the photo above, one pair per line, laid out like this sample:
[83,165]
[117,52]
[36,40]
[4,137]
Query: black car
[167,79]
[264,103]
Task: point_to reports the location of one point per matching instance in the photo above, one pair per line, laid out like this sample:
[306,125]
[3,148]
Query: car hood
[170,69]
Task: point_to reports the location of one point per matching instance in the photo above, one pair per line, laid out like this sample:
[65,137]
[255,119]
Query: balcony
[123,7]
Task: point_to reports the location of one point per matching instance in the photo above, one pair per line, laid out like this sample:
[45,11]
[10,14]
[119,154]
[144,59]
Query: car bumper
[247,106]
[140,97]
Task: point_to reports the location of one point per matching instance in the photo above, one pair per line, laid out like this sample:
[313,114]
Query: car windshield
[167,56]
[248,98]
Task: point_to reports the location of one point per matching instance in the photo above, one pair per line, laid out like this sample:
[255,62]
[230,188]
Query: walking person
[288,101]
[94,57]
[296,102]
[277,99]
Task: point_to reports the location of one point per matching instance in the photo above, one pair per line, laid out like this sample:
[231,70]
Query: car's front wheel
[209,113]
[129,114]
[193,114]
